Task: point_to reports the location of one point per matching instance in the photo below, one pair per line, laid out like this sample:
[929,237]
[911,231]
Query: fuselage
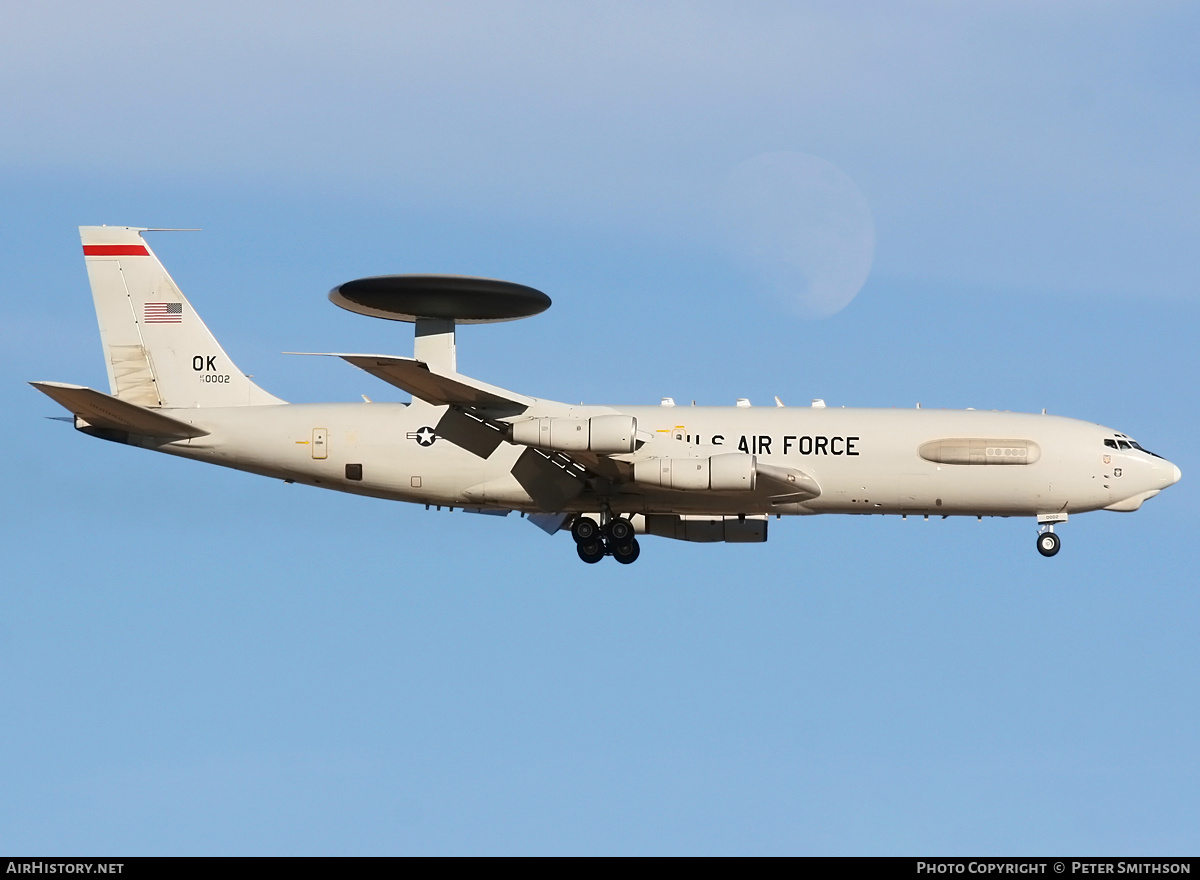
[864,460]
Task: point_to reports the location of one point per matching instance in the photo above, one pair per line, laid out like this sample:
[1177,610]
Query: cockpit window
[1128,443]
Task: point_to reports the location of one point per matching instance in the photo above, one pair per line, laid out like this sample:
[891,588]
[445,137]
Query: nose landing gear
[616,539]
[1048,543]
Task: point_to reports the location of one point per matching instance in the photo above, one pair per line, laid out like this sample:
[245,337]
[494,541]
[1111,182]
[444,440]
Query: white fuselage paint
[865,460]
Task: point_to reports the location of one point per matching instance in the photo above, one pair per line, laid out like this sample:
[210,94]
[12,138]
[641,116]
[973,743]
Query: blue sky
[200,661]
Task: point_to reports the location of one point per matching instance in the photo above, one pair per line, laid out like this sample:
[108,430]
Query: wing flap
[551,487]
[549,522]
[104,411]
[474,435]
[602,465]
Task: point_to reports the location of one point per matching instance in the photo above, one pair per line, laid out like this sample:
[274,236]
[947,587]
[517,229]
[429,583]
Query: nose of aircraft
[1168,474]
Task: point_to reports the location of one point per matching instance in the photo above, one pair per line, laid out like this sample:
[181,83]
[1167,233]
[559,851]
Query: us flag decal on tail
[163,313]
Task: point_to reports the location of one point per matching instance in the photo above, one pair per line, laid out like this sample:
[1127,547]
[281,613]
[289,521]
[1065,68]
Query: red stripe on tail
[115,250]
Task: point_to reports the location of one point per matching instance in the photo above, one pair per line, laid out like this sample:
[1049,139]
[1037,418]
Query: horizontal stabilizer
[440,389]
[104,411]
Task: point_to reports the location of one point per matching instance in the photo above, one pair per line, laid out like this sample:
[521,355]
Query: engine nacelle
[728,472]
[708,529]
[606,435]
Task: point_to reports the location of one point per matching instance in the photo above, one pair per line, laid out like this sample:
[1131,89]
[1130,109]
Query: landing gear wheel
[1048,543]
[627,552]
[584,530]
[620,530]
[590,552]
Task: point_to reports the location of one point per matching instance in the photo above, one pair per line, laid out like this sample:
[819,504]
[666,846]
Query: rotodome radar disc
[457,298]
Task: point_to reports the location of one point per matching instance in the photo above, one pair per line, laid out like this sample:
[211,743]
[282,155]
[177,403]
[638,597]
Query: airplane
[605,474]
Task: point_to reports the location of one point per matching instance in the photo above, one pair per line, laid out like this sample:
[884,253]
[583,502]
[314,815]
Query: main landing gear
[616,539]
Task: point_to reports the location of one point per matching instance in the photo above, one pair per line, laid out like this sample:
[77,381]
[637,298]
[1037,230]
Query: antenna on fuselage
[436,304]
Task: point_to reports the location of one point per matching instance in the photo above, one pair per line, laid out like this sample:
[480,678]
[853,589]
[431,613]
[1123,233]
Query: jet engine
[606,435]
[728,472]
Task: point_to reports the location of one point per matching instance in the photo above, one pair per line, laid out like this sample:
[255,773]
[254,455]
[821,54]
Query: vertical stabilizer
[156,349]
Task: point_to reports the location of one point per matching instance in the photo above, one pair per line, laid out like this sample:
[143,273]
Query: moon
[804,228]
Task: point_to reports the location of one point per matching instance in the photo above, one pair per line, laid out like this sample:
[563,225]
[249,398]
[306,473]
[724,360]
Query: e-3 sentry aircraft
[605,473]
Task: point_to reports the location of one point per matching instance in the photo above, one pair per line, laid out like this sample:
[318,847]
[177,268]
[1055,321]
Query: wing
[472,421]
[473,409]
[439,389]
